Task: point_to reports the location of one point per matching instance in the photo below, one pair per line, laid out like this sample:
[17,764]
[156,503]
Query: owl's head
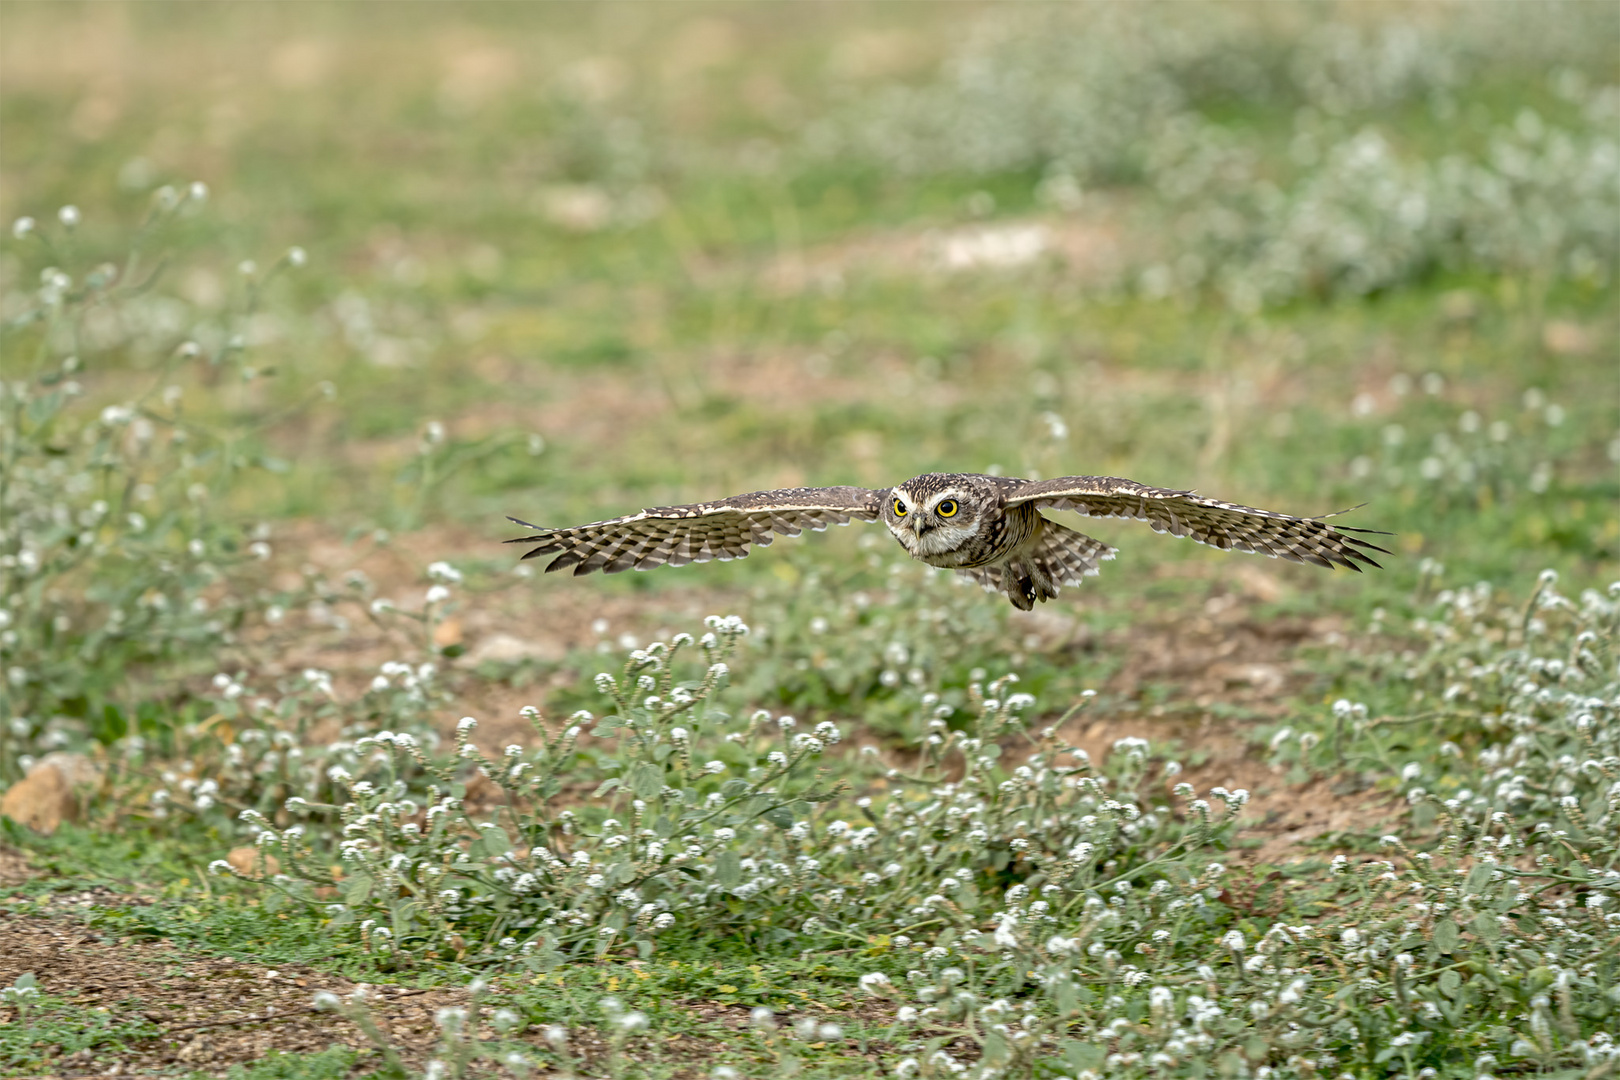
[938,513]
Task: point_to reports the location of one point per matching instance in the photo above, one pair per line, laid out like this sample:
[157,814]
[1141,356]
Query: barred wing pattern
[699,532]
[1219,524]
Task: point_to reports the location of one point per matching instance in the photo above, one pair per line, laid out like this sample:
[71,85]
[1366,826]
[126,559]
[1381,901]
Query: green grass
[334,1064]
[71,1028]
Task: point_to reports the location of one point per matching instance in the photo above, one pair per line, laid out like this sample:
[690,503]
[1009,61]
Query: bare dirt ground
[208,1014]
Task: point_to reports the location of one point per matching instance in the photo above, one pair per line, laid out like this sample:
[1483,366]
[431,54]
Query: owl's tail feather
[1052,558]
[1065,556]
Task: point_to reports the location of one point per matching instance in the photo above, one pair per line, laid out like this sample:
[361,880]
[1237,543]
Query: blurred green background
[1302,255]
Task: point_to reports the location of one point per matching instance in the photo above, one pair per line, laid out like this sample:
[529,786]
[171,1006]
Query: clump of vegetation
[700,817]
[1043,911]
[1108,95]
[121,555]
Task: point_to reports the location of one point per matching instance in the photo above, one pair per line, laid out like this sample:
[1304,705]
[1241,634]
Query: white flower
[875,983]
[437,594]
[443,571]
[1005,936]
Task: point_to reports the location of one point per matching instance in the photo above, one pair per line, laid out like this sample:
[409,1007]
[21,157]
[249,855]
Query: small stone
[1046,631]
[1259,584]
[447,633]
[507,649]
[1460,306]
[1562,338]
[43,799]
[195,1049]
[245,860]
[79,770]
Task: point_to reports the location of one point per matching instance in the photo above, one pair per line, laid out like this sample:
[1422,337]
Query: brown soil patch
[1283,817]
[534,621]
[14,868]
[1177,669]
[209,1013]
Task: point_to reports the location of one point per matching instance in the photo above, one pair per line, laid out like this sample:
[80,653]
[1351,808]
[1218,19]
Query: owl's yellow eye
[948,508]
[899,508]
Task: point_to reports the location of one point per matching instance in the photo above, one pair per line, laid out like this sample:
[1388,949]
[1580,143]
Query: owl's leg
[1027,582]
[1021,587]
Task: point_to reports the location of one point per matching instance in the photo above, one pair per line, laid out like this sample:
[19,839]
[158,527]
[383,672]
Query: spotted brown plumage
[987,528]
[698,532]
[1224,525]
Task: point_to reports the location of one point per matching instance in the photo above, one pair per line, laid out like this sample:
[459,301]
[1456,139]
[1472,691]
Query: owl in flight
[988,528]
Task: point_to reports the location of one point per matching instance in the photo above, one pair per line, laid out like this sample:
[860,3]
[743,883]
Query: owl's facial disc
[938,525]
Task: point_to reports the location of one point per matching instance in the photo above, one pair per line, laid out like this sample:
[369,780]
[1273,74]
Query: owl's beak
[920,526]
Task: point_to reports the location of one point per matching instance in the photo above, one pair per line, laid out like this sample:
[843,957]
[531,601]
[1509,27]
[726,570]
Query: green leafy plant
[122,559]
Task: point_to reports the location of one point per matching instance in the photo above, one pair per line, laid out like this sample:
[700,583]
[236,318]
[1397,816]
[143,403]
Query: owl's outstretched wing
[698,532]
[1208,521]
